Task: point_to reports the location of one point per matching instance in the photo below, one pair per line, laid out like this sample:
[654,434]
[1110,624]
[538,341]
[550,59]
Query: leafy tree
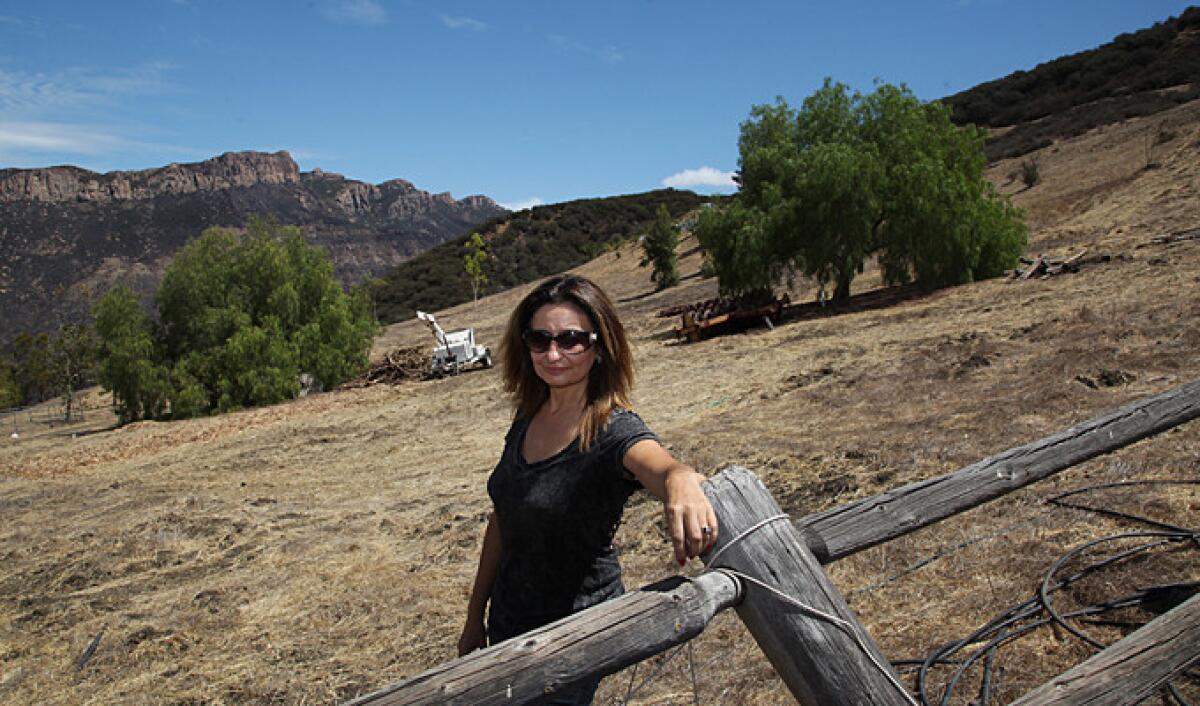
[129,358]
[240,318]
[473,263]
[32,371]
[73,362]
[848,176]
[942,223]
[735,249]
[37,366]
[10,390]
[659,244]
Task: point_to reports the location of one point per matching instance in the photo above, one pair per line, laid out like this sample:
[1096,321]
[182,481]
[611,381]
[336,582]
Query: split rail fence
[818,648]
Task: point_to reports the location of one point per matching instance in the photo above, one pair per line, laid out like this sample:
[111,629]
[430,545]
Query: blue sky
[525,102]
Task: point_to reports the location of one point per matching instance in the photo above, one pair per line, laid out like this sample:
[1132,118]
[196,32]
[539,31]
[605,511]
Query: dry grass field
[319,549]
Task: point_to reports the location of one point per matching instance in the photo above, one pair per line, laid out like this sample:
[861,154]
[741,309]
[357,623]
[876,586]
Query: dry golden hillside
[315,550]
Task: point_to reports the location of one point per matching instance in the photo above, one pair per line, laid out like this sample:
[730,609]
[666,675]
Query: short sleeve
[625,428]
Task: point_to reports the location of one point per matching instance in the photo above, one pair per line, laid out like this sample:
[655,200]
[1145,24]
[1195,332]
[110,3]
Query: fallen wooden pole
[796,615]
[844,530]
[601,640]
[1133,668]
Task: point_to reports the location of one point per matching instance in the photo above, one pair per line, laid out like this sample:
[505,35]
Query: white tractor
[456,351]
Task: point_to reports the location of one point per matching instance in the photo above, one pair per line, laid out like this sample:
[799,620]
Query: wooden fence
[819,649]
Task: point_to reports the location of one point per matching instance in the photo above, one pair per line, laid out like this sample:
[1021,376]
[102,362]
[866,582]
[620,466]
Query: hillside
[522,247]
[67,235]
[318,549]
[1137,74]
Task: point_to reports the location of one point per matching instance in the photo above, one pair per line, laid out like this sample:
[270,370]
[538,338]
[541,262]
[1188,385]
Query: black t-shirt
[557,518]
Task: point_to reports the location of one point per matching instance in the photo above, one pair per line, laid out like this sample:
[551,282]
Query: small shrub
[1030,172]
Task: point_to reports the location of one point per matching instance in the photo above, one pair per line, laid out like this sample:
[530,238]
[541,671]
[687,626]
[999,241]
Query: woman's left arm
[678,486]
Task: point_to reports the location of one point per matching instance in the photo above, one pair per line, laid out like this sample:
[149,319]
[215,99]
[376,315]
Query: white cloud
[39,113]
[522,205]
[55,137]
[608,54]
[364,12]
[464,23]
[35,94]
[20,141]
[704,176]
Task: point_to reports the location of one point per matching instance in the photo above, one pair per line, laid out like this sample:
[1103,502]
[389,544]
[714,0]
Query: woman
[573,456]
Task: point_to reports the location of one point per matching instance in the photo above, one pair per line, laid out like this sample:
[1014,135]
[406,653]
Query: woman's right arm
[474,635]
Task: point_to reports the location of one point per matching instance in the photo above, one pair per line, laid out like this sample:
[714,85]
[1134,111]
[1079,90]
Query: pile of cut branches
[1044,266]
[398,365]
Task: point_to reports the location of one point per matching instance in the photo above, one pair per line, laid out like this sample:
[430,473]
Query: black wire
[1019,612]
[1175,693]
[1125,624]
[1124,484]
[1044,592]
[1015,614]
[1058,500]
[985,685]
[1001,626]
[1006,636]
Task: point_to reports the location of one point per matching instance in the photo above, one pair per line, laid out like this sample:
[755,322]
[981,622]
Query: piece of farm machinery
[456,350]
[719,315]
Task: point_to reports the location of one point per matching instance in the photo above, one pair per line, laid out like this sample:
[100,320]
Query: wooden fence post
[821,661]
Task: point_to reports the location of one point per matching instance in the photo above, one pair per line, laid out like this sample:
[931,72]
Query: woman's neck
[566,400]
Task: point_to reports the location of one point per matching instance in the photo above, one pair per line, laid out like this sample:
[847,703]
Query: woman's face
[556,367]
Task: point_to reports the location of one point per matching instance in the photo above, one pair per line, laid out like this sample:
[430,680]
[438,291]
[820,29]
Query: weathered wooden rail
[844,530]
[819,649]
[1130,670]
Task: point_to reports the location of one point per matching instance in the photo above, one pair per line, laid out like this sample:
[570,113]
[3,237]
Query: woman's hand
[690,517]
[474,634]
[473,637]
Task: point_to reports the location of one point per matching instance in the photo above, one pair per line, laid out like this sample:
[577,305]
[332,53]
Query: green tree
[32,369]
[73,362]
[10,390]
[37,366]
[736,252]
[848,176]
[128,356]
[473,263]
[658,246]
[240,318]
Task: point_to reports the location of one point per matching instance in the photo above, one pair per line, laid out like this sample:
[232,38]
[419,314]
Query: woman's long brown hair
[610,379]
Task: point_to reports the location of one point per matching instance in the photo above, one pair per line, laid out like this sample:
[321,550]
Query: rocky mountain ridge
[68,234]
[69,184]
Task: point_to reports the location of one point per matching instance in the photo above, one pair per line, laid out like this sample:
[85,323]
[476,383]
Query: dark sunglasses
[569,342]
